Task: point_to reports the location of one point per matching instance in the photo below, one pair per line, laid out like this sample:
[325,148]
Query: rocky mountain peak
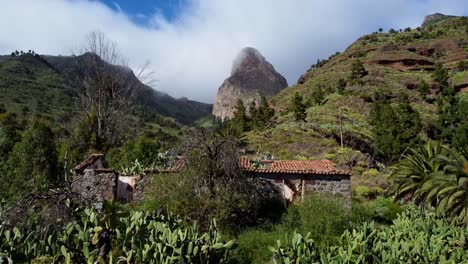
[251,76]
[249,59]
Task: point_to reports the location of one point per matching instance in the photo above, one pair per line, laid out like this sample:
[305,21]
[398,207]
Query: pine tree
[409,122]
[394,129]
[239,122]
[341,86]
[34,159]
[452,123]
[318,96]
[8,134]
[423,88]
[253,114]
[298,107]
[265,112]
[440,75]
[357,71]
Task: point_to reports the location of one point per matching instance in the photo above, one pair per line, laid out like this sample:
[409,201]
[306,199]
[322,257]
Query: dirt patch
[406,64]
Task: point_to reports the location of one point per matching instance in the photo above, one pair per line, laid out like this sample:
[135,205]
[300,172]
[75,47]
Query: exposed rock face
[251,76]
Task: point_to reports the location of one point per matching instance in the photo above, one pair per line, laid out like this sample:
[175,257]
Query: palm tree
[416,171]
[435,175]
[453,196]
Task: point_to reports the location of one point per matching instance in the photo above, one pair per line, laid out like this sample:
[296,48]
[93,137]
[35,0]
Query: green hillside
[395,62]
[28,86]
[37,84]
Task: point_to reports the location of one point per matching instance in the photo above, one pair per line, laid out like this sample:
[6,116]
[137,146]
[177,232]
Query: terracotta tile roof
[325,167]
[87,163]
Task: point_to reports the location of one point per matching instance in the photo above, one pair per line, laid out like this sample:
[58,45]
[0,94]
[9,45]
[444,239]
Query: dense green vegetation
[115,237]
[415,236]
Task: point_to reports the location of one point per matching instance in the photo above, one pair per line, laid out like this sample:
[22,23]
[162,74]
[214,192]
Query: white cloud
[192,54]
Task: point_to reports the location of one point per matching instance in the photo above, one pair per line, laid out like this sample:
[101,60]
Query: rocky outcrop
[434,18]
[251,77]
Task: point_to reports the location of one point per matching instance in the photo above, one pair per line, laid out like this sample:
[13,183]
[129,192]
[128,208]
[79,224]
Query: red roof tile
[292,166]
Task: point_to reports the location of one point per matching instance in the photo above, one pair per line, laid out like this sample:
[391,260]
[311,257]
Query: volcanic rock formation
[251,77]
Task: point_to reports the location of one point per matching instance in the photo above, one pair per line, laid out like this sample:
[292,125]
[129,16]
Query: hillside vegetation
[394,63]
[38,84]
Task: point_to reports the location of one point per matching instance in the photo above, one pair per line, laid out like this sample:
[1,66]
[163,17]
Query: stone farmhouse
[294,178]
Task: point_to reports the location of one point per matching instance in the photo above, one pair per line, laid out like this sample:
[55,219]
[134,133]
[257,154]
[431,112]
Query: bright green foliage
[8,134]
[341,86]
[298,107]
[423,88]
[239,122]
[264,113]
[394,128]
[259,117]
[318,96]
[414,237]
[462,65]
[325,216]
[357,72]
[33,161]
[141,237]
[144,149]
[386,210]
[452,123]
[440,75]
[82,140]
[409,121]
[433,174]
[8,138]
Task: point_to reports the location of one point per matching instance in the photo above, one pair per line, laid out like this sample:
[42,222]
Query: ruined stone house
[93,183]
[292,179]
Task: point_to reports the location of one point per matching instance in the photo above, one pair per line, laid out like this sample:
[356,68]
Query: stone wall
[95,186]
[139,190]
[341,187]
[291,184]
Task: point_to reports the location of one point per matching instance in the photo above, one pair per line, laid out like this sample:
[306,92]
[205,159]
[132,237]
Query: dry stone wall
[95,186]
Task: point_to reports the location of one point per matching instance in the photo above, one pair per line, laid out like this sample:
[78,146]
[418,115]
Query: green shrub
[371,173]
[362,191]
[386,210]
[414,237]
[253,245]
[368,192]
[325,216]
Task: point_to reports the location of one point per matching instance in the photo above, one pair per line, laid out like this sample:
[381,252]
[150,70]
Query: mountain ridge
[183,110]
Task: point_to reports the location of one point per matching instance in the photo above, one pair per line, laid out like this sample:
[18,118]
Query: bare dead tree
[105,86]
[214,158]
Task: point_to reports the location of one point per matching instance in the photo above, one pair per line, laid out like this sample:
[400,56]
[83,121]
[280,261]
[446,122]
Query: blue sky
[141,11]
[191,44]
